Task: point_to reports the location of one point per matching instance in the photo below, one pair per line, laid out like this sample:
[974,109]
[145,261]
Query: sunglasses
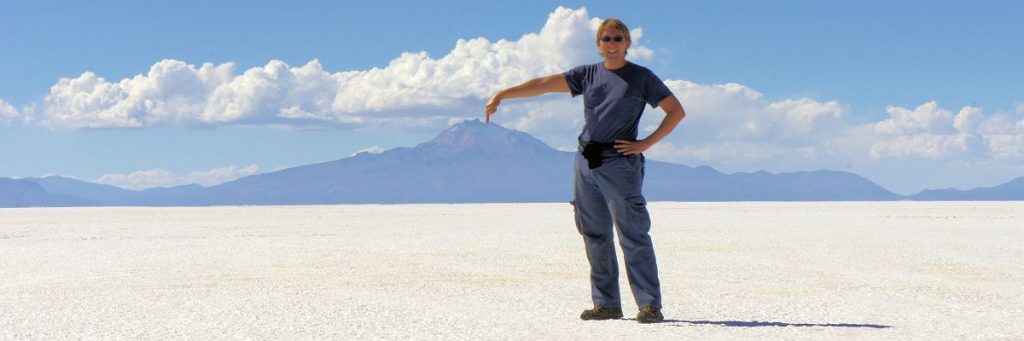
[617,39]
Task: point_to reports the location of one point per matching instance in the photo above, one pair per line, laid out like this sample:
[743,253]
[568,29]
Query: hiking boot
[601,313]
[649,314]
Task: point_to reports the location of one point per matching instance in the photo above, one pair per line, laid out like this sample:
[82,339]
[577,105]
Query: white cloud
[735,128]
[411,87]
[475,68]
[926,118]
[1007,147]
[142,179]
[371,150]
[162,178]
[730,112]
[7,112]
[932,132]
[221,175]
[1005,138]
[929,146]
[172,92]
[805,116]
[275,92]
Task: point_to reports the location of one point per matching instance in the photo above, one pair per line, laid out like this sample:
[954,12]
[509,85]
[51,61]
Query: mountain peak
[464,129]
[476,135]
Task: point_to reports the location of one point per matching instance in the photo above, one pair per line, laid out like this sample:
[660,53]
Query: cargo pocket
[638,217]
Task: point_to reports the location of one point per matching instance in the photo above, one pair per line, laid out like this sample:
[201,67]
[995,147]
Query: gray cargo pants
[611,194]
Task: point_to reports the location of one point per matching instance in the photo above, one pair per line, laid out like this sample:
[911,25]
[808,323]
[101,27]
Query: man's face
[611,48]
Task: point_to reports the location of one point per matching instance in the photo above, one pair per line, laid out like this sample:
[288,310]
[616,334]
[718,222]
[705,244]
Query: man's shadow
[776,324]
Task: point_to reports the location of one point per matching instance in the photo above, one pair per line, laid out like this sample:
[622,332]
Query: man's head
[613,37]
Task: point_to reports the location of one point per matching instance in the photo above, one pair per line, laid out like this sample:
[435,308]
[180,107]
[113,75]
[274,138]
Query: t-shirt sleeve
[656,91]
[575,78]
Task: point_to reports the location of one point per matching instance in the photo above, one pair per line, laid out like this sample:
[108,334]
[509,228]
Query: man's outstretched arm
[534,87]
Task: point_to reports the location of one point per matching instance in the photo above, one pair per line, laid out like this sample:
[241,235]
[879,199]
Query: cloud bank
[412,87]
[162,178]
[731,124]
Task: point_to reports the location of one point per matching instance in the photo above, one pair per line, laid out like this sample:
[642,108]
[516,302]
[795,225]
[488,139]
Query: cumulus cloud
[931,132]
[927,118]
[7,112]
[805,116]
[1004,136]
[221,175]
[142,179]
[371,150]
[172,92]
[736,128]
[923,145]
[162,178]
[414,88]
[733,112]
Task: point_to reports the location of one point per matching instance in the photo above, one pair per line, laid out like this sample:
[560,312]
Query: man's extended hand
[491,108]
[631,147]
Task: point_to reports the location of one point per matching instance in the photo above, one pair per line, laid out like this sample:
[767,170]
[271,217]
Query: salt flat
[877,270]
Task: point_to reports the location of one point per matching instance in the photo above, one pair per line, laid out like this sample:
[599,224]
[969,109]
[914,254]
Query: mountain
[26,193]
[1012,190]
[92,194]
[470,162]
[671,182]
[473,162]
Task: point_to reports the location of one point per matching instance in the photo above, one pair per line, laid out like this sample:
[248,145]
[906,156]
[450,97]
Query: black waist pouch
[594,153]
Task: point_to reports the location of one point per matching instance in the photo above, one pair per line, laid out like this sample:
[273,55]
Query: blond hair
[616,25]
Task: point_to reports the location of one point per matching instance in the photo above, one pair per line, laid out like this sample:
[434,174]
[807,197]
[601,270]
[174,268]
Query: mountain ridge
[1010,190]
[469,162]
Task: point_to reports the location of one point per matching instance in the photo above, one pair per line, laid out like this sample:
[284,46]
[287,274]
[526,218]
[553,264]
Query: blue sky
[912,94]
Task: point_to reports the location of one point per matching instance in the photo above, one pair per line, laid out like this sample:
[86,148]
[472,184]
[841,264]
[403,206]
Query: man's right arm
[534,87]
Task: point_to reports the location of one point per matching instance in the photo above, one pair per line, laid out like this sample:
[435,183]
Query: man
[609,167]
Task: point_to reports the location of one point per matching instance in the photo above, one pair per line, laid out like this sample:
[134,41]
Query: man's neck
[614,64]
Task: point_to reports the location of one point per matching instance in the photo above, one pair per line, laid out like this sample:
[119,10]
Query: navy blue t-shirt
[613,100]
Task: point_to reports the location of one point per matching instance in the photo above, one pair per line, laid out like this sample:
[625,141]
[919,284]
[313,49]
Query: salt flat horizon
[735,270]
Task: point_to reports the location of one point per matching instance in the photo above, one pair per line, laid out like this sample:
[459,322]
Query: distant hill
[671,182]
[26,193]
[1012,190]
[106,195]
[470,162]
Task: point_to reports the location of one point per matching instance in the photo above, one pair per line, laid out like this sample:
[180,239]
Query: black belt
[595,153]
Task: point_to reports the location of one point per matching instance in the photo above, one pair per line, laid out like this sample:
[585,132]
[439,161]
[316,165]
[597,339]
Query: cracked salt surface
[886,270]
